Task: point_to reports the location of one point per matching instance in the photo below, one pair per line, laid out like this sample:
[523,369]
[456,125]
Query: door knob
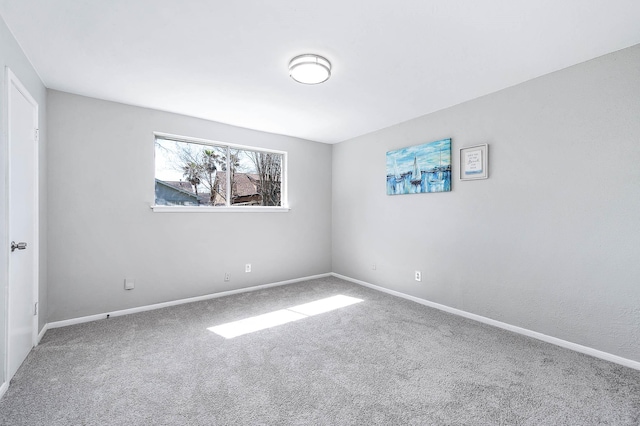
[19,246]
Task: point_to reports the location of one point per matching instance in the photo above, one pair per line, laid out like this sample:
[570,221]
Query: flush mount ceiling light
[310,69]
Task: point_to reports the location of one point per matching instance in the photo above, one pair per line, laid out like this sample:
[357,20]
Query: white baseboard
[523,331]
[549,339]
[41,334]
[89,318]
[3,389]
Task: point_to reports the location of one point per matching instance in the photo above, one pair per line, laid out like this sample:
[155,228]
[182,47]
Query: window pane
[256,178]
[187,174]
[199,174]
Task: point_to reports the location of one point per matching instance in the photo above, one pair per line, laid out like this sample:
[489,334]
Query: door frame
[13,81]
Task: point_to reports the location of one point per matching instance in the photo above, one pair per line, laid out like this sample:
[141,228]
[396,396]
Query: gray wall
[550,242]
[101,184]
[12,56]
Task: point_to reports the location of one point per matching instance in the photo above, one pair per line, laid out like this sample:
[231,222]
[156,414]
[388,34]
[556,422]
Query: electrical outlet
[418,276]
[227,276]
[247,267]
[129,284]
[373,266]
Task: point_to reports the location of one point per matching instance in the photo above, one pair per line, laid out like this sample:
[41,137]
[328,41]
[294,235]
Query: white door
[23,217]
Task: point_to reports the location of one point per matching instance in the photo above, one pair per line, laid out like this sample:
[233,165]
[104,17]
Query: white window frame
[284,198]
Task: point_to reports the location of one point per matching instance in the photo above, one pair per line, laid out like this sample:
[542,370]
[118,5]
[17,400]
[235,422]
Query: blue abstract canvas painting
[420,168]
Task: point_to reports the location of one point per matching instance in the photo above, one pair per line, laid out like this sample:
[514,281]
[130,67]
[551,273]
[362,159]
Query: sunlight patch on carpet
[283,316]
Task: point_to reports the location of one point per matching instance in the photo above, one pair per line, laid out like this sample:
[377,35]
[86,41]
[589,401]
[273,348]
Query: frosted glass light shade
[310,69]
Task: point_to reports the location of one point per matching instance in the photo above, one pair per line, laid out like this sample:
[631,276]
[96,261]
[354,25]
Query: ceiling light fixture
[310,69]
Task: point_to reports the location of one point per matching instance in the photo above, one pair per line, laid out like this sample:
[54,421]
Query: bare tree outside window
[269,170]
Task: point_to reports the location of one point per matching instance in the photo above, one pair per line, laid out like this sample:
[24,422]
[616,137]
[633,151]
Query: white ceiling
[392,60]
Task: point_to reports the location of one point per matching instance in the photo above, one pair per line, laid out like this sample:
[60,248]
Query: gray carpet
[385,361]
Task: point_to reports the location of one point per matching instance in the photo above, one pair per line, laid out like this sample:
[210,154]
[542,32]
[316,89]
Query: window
[202,174]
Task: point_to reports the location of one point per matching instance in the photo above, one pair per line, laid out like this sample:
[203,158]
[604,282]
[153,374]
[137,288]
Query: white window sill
[219,209]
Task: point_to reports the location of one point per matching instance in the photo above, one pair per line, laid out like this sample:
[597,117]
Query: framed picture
[474,162]
[420,168]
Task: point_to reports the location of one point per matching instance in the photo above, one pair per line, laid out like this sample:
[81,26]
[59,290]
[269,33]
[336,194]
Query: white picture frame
[474,162]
